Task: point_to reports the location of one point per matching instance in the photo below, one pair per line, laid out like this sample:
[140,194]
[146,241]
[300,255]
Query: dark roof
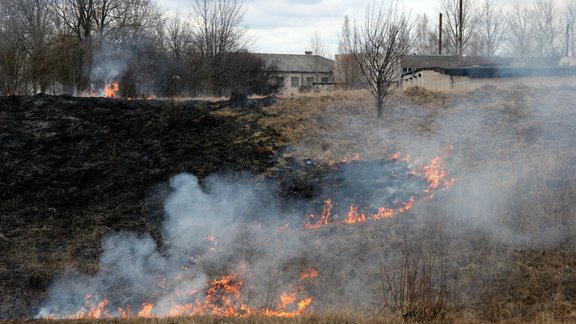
[297,63]
[508,71]
[434,61]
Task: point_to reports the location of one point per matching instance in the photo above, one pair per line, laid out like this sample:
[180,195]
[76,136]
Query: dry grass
[507,258]
[308,319]
[519,132]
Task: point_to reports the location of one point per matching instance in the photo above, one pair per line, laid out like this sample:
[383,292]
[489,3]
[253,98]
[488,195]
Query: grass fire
[456,208]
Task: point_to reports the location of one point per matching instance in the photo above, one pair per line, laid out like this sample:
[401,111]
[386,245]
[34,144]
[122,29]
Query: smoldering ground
[510,153]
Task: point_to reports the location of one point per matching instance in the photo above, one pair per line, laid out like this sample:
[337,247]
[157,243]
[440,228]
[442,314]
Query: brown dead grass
[506,284]
[490,280]
[309,319]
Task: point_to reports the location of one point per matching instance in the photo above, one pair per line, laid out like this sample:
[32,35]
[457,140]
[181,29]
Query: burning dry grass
[515,142]
[342,317]
[497,247]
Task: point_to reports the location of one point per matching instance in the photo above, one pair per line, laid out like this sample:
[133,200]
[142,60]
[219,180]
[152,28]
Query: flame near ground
[202,268]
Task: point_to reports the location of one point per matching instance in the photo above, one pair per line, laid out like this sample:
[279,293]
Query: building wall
[438,81]
[305,81]
[568,61]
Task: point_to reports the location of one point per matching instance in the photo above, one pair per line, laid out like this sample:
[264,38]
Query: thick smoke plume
[228,227]
[510,159]
[208,231]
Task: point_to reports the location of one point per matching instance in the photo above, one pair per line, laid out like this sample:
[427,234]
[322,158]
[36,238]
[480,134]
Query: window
[294,81]
[325,80]
[309,81]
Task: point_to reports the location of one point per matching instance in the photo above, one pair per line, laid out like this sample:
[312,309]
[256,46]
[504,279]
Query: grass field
[497,246]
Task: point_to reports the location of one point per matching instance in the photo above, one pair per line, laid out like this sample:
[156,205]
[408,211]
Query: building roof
[435,61]
[297,63]
[508,71]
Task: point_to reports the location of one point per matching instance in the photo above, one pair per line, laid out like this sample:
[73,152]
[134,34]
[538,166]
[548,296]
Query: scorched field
[455,207]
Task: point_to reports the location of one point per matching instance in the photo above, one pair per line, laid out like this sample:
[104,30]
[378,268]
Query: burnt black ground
[72,169]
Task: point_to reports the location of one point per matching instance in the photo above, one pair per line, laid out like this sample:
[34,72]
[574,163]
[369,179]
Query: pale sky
[286,26]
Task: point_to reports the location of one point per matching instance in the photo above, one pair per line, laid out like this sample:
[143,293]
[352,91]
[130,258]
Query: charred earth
[377,235]
[74,168]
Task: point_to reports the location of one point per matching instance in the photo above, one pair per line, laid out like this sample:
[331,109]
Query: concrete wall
[437,81]
[305,81]
[568,61]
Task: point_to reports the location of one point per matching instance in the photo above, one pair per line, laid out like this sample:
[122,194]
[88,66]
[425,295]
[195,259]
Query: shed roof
[435,61]
[297,63]
[508,71]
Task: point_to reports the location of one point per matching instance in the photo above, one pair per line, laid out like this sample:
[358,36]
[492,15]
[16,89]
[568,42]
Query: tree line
[537,29]
[77,46]
[372,49]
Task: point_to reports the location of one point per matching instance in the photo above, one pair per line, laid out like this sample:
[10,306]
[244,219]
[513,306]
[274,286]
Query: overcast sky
[286,26]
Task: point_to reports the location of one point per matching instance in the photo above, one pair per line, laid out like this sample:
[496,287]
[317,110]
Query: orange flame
[222,298]
[324,217]
[110,90]
[308,274]
[283,228]
[146,311]
[434,173]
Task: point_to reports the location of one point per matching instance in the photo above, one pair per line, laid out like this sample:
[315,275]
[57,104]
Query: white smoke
[133,271]
[108,64]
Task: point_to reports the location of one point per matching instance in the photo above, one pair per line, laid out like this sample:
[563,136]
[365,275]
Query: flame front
[223,297]
[110,90]
[434,173]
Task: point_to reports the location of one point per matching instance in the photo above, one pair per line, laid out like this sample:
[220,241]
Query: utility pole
[440,36]
[567,42]
[460,31]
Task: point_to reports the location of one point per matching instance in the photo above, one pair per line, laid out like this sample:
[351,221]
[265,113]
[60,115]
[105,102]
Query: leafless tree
[69,46]
[317,44]
[12,51]
[425,37]
[545,27]
[570,21]
[217,30]
[454,43]
[26,31]
[491,30]
[318,48]
[138,19]
[347,70]
[520,32]
[79,18]
[178,36]
[78,15]
[377,46]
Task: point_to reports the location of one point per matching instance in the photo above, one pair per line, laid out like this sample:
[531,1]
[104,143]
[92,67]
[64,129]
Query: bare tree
[12,51]
[456,44]
[26,31]
[377,47]
[345,36]
[138,19]
[491,30]
[570,21]
[347,69]
[425,37]
[106,13]
[317,44]
[545,27]
[79,17]
[178,36]
[318,48]
[217,30]
[37,27]
[520,32]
